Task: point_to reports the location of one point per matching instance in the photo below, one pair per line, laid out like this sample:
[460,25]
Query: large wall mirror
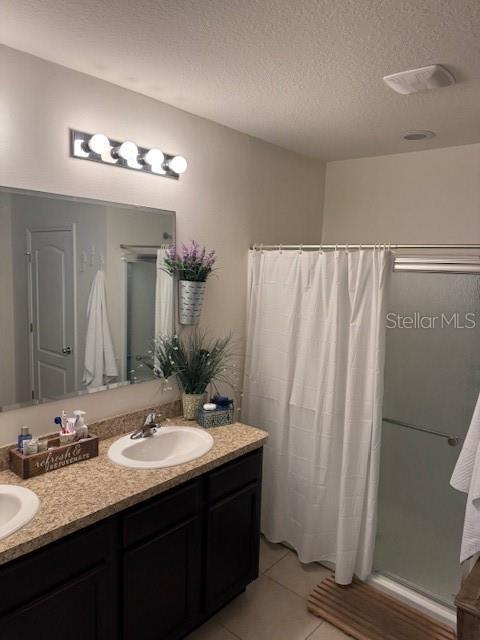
[82,294]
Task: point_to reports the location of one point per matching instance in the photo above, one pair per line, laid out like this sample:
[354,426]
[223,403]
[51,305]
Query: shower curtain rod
[388,245]
[143,246]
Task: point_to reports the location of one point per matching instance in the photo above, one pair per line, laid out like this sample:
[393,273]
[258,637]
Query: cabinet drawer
[234,475]
[32,576]
[161,513]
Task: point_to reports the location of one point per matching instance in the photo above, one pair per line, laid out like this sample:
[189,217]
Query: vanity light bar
[98,148]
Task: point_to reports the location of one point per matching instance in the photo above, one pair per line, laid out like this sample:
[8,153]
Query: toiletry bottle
[23,435]
[81,429]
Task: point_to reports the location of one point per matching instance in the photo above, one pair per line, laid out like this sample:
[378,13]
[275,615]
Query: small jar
[29,447]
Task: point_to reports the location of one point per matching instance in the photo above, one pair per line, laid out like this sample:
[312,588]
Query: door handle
[67,351]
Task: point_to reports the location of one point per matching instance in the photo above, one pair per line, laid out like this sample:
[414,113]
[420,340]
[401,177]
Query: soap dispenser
[22,437]
[81,429]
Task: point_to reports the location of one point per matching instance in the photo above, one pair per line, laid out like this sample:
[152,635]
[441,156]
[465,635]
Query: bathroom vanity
[154,570]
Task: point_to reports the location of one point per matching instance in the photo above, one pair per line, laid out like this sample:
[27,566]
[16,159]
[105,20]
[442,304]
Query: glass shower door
[432,381]
[141,280]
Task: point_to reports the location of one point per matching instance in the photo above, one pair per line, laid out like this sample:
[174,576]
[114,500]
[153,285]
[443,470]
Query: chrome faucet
[149,428]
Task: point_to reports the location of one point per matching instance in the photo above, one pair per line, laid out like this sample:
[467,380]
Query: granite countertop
[86,492]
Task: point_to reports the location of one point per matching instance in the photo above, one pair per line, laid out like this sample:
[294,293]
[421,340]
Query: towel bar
[452,440]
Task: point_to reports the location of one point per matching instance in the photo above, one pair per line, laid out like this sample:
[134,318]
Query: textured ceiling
[303,74]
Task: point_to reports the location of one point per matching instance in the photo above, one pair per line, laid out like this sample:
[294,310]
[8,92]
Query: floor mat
[366,613]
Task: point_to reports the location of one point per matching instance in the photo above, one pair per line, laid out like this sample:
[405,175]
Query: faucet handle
[150,420]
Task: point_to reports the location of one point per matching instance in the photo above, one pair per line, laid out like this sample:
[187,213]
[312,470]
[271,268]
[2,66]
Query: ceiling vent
[432,77]
[418,135]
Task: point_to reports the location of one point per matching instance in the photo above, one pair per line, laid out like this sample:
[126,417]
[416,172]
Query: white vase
[190,301]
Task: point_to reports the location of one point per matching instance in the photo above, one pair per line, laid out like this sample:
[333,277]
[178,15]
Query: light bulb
[154,158]
[178,164]
[99,143]
[128,150]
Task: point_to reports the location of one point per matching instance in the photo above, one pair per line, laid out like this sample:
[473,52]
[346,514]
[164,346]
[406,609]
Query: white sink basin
[17,507]
[167,447]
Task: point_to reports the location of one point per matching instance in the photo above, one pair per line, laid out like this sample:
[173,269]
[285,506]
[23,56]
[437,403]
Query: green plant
[195,360]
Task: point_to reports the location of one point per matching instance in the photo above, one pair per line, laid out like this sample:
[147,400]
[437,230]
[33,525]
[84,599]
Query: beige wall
[421,197]
[237,189]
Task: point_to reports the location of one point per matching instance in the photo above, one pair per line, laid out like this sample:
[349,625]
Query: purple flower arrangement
[191,263]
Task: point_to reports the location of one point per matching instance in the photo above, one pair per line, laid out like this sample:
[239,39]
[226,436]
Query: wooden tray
[57,458]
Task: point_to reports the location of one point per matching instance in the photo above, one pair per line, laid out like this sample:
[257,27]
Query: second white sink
[168,447]
[18,505]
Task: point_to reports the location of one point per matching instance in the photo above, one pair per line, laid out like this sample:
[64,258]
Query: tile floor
[273,607]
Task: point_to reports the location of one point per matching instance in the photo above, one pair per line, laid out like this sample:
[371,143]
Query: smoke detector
[432,77]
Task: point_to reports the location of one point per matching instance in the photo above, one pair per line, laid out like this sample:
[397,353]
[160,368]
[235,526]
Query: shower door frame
[394,585]
[128,258]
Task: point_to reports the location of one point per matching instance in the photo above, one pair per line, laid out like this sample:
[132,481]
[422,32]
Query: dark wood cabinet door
[162,584]
[233,530]
[81,608]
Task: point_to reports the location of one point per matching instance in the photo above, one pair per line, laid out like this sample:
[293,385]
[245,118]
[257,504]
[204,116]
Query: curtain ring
[280,249]
[346,248]
[336,248]
[320,249]
[301,248]
[359,247]
[261,248]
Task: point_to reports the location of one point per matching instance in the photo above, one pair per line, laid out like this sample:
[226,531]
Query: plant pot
[192,403]
[190,301]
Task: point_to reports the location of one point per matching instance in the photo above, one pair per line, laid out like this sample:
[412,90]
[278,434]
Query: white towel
[466,478]
[100,364]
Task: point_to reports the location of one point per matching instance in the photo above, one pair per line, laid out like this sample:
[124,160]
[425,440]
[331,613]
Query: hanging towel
[100,363]
[466,478]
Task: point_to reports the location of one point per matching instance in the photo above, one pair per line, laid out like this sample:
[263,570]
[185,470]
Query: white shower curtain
[314,381]
[163,298]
